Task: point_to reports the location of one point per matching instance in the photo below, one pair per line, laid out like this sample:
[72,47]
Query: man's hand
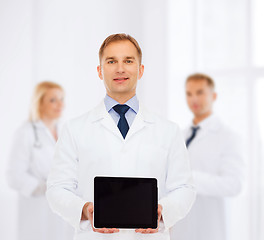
[151,230]
[87,214]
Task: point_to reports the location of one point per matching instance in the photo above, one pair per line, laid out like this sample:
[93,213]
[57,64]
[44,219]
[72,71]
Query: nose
[61,103]
[120,68]
[191,99]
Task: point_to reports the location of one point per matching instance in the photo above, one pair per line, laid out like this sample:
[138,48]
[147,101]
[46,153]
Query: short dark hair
[201,76]
[120,37]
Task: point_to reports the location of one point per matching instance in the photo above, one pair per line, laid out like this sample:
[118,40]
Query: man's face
[120,69]
[200,97]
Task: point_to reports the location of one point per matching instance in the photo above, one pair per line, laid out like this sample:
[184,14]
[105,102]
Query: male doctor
[216,161]
[120,137]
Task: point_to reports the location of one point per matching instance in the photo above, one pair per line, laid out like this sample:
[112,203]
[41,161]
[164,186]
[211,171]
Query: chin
[195,111]
[57,116]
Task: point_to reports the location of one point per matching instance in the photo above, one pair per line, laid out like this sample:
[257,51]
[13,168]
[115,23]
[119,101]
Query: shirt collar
[132,103]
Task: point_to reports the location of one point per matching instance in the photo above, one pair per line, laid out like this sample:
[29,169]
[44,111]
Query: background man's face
[120,69]
[200,97]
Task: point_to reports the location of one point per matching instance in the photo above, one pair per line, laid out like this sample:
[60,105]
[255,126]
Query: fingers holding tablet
[88,211]
[87,214]
[151,230]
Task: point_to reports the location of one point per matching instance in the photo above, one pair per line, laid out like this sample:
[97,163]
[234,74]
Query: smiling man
[120,138]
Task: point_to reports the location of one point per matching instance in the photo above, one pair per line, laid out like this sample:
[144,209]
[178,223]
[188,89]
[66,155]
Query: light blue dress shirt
[130,114]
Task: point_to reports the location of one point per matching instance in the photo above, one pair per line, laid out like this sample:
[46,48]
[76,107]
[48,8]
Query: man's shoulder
[161,121]
[219,129]
[221,126]
[88,117]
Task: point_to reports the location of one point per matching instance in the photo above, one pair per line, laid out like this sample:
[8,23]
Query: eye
[111,62]
[129,61]
[53,100]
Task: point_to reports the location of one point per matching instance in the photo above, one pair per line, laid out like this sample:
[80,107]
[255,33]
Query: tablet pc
[125,202]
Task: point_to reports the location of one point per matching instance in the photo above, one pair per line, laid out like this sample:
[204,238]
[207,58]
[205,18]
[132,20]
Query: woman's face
[52,104]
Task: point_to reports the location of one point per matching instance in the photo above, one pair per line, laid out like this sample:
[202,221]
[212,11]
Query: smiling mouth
[120,79]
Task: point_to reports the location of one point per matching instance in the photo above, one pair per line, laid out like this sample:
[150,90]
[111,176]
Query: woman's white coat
[30,160]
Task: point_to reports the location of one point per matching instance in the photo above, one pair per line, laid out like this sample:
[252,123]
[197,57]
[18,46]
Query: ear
[99,71]
[214,96]
[141,71]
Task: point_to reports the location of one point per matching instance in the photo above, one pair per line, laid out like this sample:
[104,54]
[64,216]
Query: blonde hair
[119,37]
[37,98]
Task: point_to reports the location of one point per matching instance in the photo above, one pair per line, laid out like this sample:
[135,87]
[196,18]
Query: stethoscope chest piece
[37,143]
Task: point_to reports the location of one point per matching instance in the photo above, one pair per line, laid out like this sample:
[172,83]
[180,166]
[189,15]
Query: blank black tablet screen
[125,202]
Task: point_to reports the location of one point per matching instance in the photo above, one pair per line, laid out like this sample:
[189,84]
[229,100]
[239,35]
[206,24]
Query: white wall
[15,89]
[59,40]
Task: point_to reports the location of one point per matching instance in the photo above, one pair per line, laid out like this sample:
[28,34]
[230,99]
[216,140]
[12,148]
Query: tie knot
[121,109]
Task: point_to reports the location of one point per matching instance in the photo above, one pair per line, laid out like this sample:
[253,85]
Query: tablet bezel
[153,182]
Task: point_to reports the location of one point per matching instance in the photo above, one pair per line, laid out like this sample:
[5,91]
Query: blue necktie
[194,131]
[121,109]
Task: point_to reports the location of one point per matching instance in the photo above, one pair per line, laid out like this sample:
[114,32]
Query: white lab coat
[218,170]
[27,173]
[92,145]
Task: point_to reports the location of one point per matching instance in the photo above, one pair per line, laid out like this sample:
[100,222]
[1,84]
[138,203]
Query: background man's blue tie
[194,131]
[121,109]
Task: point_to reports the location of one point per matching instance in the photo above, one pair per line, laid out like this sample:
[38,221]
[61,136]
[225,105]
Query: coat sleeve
[62,190]
[229,179]
[179,183]
[18,176]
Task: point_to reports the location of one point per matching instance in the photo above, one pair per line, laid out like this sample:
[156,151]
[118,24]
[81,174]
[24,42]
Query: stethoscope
[37,143]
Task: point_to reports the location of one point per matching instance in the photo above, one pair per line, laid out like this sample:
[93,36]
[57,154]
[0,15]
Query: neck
[198,118]
[51,125]
[121,98]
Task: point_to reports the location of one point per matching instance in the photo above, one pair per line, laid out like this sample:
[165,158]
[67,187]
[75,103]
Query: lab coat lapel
[109,124]
[200,134]
[142,119]
[40,126]
[100,114]
[136,126]
[211,125]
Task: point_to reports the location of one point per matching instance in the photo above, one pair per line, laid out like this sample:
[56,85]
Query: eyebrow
[109,58]
[200,90]
[113,58]
[130,58]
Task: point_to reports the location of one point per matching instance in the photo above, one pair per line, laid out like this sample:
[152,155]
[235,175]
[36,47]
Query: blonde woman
[30,160]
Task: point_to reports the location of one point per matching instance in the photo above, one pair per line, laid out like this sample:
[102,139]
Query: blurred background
[58,40]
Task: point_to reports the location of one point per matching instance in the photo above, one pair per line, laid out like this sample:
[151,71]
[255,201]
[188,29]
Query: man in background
[216,161]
